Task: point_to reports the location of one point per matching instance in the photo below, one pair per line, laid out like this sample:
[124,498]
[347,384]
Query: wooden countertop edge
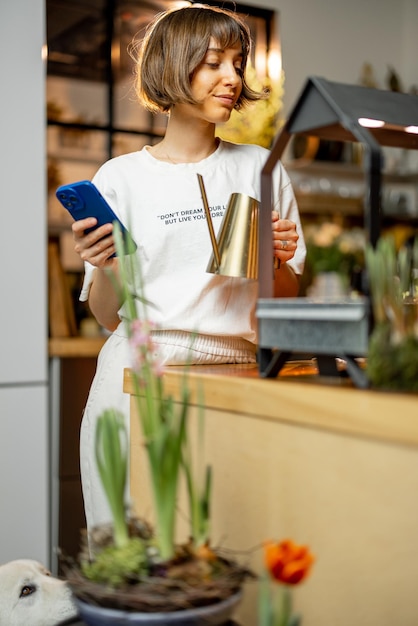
[391,417]
[75,346]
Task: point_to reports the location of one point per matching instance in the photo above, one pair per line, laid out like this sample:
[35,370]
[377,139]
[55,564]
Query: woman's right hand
[97,246]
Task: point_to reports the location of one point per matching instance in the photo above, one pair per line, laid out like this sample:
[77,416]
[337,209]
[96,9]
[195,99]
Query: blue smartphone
[82,199]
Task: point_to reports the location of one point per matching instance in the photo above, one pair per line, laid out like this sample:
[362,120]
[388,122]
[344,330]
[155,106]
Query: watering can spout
[235,252]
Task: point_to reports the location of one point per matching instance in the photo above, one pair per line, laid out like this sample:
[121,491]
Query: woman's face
[217,83]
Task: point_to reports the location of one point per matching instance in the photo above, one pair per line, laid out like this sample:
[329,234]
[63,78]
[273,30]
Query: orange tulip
[287,562]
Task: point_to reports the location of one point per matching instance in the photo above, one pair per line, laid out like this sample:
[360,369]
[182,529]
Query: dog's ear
[43,570]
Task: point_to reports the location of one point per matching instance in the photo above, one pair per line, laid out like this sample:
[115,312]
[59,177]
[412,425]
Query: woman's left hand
[285,238]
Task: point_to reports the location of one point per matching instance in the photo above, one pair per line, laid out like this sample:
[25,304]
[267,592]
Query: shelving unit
[334,192]
[336,189]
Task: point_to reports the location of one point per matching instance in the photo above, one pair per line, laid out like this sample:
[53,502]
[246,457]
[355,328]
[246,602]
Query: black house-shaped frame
[334,111]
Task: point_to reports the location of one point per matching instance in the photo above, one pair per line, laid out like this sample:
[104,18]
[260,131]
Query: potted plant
[129,572]
[392,361]
[333,257]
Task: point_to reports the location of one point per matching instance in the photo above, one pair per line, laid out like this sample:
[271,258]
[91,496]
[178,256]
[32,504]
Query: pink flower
[144,353]
[141,333]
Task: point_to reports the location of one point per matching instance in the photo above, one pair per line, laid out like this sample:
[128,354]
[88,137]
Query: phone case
[82,199]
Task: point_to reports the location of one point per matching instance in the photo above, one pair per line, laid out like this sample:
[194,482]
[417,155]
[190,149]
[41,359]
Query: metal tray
[325,327]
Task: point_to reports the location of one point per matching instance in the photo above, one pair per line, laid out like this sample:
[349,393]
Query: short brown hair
[175,43]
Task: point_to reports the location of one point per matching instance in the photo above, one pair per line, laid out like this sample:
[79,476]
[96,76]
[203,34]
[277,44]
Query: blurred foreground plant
[392,361]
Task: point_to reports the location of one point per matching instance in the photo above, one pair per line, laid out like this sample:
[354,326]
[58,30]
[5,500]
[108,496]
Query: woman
[191,66]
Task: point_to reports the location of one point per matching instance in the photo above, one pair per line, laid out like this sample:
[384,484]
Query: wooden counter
[63,347]
[325,464]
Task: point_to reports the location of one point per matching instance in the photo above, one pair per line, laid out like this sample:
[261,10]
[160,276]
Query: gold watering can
[235,252]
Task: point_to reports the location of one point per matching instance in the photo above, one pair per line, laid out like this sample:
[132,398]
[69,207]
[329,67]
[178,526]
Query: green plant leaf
[111,447]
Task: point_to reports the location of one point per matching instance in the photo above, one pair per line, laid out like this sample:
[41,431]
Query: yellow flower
[260,121]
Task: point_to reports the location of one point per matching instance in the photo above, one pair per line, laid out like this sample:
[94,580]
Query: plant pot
[329,284]
[211,615]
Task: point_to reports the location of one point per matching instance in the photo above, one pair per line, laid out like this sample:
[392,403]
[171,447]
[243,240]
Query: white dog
[30,596]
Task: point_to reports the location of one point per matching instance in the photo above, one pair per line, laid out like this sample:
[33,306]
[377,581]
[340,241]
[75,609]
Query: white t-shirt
[161,205]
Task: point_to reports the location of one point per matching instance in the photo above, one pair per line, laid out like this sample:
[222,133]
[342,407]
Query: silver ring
[284,244]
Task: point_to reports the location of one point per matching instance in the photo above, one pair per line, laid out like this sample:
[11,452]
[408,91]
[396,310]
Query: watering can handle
[209,220]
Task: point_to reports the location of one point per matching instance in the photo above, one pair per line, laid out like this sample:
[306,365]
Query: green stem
[265,616]
[285,606]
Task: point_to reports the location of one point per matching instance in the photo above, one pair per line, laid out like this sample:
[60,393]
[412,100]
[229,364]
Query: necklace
[176,161]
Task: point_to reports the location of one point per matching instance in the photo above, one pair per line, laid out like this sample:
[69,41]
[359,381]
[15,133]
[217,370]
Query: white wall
[333,38]
[24,480]
[410,43]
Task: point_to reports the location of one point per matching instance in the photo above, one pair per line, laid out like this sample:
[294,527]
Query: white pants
[107,392]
